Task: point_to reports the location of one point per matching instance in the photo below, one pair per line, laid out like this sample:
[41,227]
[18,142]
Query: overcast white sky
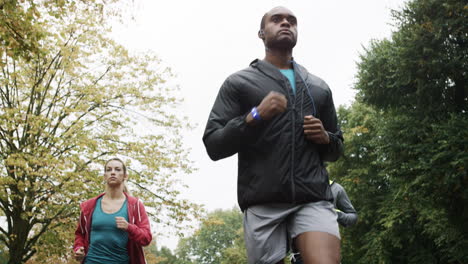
[205,41]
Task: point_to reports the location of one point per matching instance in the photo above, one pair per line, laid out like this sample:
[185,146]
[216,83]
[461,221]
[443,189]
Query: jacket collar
[273,72]
[130,199]
[267,68]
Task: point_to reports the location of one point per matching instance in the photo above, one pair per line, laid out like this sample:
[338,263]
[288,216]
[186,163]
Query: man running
[281,121]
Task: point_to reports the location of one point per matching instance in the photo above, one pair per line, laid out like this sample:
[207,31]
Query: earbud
[261,33]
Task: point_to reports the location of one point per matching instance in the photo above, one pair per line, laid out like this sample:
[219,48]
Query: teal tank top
[108,244]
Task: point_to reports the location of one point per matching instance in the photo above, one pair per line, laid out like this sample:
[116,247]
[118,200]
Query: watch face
[255,114]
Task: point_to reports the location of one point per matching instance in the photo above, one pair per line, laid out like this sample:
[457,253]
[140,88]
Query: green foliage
[359,172]
[23,27]
[218,240]
[3,254]
[235,254]
[408,185]
[405,166]
[70,99]
[423,68]
[166,257]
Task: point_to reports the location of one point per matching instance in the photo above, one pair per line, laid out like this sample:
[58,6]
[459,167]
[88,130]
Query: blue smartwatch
[255,114]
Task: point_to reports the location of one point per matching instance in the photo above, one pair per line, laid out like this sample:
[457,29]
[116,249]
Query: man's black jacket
[277,164]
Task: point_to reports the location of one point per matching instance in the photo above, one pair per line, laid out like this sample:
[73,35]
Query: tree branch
[148,190]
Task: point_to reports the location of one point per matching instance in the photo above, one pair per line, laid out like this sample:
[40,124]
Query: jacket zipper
[293,146]
[292,98]
[293,143]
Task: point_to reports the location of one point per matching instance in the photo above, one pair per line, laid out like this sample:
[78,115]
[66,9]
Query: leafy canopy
[71,98]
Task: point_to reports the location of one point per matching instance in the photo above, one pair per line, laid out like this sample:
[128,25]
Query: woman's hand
[121,223]
[79,254]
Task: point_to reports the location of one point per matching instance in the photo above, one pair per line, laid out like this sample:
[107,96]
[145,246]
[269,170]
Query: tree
[235,254]
[163,255]
[70,99]
[406,165]
[18,35]
[166,257]
[3,254]
[423,67]
[359,171]
[218,231]
[403,203]
[219,239]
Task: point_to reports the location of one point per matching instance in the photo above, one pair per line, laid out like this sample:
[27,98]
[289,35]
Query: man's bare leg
[318,248]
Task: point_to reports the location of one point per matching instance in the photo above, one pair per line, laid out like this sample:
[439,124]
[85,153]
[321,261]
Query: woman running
[114,226]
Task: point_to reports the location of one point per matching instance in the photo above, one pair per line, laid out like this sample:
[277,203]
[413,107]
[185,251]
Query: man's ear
[261,34]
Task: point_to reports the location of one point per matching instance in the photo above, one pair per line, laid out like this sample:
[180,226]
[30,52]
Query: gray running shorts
[269,228]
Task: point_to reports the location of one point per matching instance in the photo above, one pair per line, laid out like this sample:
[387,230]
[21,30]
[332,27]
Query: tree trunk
[18,238]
